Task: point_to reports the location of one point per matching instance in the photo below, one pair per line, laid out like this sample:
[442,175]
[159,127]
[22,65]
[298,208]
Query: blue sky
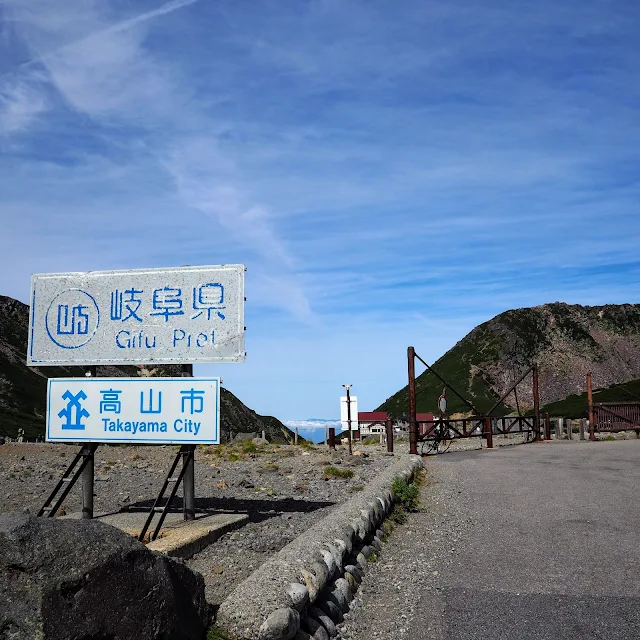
[390,173]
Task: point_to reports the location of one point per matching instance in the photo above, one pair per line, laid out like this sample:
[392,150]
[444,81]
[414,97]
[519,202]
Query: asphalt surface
[532,541]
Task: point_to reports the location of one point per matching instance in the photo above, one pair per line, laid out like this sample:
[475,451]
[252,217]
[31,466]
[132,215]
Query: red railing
[616,416]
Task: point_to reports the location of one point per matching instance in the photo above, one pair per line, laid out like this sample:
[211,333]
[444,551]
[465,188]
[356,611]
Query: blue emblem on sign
[74,412]
[72,318]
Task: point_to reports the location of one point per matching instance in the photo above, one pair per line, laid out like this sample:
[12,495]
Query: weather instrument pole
[347,387]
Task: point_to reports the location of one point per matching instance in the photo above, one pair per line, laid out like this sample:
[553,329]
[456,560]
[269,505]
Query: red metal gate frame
[483,423]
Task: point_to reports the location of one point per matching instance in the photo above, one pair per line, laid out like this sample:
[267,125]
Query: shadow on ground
[257,510]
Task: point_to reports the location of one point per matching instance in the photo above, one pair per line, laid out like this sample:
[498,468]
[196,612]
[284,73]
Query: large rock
[82,580]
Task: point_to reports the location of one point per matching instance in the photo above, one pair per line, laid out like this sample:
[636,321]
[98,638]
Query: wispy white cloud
[21,102]
[388,176]
[104,69]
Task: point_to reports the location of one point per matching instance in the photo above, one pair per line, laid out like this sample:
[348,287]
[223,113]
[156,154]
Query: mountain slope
[23,389]
[565,341]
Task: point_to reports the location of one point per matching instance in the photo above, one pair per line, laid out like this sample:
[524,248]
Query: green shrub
[356,488]
[338,473]
[610,437]
[398,515]
[249,446]
[407,495]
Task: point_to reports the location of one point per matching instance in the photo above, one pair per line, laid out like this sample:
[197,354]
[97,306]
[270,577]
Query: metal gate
[442,429]
[616,416]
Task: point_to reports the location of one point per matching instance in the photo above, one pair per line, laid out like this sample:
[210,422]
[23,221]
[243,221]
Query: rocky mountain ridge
[23,389]
[564,341]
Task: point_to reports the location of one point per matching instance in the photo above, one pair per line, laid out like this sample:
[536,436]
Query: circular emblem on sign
[72,318]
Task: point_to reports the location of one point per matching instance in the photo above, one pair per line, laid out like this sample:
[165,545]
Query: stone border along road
[305,589]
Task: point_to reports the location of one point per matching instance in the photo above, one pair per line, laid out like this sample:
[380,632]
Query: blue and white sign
[144,316]
[134,410]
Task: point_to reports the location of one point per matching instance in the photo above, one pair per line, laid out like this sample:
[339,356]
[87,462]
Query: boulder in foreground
[82,580]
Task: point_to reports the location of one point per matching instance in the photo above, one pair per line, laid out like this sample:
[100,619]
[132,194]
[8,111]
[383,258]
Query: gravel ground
[283,489]
[532,542]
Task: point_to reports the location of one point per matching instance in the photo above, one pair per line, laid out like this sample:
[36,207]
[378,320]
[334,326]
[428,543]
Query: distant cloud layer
[312,424]
[390,175]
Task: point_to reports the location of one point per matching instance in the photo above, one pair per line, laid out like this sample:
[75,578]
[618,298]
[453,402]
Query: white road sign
[344,415]
[144,316]
[134,410]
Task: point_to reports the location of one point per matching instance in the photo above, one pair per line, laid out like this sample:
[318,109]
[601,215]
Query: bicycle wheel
[429,446]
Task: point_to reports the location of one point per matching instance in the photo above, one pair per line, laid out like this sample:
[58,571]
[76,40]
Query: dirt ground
[283,489]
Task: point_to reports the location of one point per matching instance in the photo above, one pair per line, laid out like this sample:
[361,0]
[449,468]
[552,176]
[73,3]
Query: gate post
[389,426]
[547,427]
[592,426]
[332,438]
[536,405]
[488,433]
[582,426]
[413,424]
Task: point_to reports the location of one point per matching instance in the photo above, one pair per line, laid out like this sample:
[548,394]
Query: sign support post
[88,473]
[188,462]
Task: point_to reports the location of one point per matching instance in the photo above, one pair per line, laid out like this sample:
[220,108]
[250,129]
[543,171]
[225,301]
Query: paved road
[535,541]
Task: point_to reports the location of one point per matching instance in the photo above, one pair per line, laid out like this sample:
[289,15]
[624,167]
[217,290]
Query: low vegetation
[334,472]
[216,633]
[407,494]
[407,499]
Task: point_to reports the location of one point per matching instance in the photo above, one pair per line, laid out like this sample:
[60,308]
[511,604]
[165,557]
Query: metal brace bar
[435,373]
[68,479]
[185,450]
[497,404]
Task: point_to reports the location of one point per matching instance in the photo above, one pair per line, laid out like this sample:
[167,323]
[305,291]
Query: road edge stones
[306,588]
